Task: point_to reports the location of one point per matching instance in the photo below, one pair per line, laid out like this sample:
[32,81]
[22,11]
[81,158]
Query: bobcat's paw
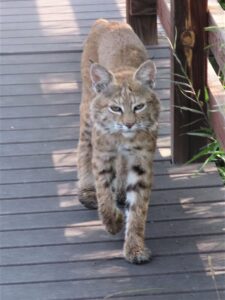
[87,197]
[114,223]
[137,255]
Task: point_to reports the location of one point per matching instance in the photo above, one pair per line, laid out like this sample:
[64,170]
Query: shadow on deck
[52,247]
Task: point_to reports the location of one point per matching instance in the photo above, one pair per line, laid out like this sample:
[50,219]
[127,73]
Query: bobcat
[118,130]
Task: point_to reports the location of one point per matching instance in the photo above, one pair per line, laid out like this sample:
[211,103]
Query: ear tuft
[146,73]
[100,77]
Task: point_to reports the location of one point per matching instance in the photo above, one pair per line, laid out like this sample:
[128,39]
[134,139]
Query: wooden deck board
[58,87]
[62,218]
[82,270]
[52,122]
[55,99]
[100,288]
[72,252]
[188,198]
[62,57]
[61,186]
[94,233]
[50,134]
[51,247]
[61,67]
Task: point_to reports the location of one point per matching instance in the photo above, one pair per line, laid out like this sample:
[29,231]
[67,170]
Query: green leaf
[198,94]
[191,123]
[214,28]
[202,153]
[190,98]
[221,157]
[206,95]
[189,92]
[189,109]
[208,130]
[200,134]
[175,38]
[179,75]
[181,83]
[209,46]
[208,160]
[205,131]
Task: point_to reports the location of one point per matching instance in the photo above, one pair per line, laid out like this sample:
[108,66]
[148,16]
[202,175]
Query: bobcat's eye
[139,107]
[115,108]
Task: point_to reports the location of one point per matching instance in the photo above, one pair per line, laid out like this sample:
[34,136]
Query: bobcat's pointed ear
[146,73]
[100,77]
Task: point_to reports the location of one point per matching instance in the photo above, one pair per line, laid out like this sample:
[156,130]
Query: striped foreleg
[104,174]
[137,200]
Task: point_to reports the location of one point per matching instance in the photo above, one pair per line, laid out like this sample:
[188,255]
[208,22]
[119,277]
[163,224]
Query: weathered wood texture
[163,11]
[215,42]
[51,247]
[142,16]
[216,33]
[188,20]
[217,105]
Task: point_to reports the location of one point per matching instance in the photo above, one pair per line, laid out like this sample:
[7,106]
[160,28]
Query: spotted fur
[118,130]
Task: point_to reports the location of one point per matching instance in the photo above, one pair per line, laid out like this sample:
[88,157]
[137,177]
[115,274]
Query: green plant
[212,152]
[222,3]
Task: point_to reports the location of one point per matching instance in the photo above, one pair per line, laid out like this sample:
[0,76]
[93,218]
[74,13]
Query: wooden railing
[187,20]
[142,16]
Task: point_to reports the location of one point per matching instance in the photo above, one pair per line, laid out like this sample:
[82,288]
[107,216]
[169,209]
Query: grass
[212,151]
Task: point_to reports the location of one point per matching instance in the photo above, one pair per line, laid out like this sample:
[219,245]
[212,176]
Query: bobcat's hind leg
[86,187]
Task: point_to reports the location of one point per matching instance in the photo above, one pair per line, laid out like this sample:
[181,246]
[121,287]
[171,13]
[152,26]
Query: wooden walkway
[50,246]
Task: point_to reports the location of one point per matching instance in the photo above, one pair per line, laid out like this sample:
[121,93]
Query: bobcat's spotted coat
[118,130]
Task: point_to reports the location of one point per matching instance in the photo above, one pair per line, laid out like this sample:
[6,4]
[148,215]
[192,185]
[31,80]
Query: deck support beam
[188,19]
[142,16]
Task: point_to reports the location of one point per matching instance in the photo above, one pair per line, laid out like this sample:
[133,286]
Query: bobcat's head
[125,101]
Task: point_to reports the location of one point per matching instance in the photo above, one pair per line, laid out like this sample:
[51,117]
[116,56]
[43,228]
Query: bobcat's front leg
[104,173]
[138,187]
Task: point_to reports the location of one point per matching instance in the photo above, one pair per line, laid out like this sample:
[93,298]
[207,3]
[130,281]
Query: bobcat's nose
[129,125]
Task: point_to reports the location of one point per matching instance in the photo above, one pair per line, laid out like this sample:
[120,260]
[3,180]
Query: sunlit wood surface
[51,246]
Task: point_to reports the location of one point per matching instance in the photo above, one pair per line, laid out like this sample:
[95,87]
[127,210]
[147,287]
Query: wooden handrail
[217,104]
[216,40]
[216,35]
[190,18]
[163,11]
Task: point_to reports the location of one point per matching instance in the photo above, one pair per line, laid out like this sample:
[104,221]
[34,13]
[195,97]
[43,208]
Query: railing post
[142,16]
[188,19]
